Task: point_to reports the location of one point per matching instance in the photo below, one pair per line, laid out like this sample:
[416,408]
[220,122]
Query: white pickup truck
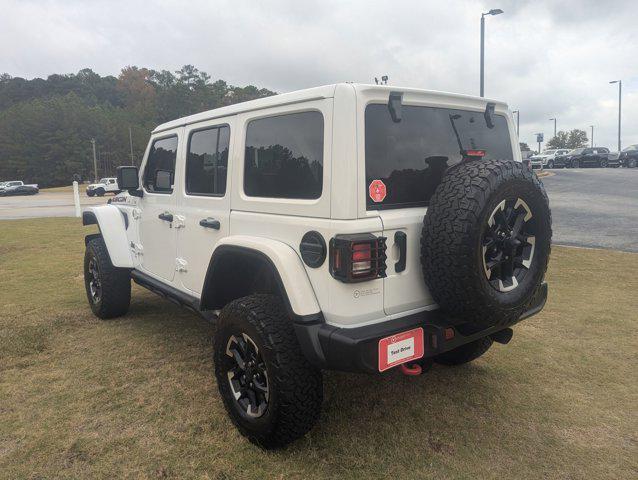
[17,187]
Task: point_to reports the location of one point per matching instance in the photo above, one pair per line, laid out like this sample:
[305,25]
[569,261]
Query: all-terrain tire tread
[299,384]
[116,282]
[449,227]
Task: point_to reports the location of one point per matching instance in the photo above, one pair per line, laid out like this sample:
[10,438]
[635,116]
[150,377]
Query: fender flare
[112,225]
[285,264]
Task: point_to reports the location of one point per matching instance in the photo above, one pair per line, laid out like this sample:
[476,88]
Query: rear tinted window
[284,156]
[411,156]
[207,161]
[161,159]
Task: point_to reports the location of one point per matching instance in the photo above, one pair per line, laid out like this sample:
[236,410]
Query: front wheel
[99,192]
[270,391]
[631,163]
[604,163]
[108,288]
[550,164]
[90,193]
[575,164]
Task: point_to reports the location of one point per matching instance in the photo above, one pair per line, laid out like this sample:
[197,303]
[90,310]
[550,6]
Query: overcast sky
[546,58]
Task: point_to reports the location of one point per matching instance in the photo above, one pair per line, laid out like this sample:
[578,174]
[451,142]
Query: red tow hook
[411,370]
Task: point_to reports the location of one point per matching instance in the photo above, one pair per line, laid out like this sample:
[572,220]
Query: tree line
[46,125]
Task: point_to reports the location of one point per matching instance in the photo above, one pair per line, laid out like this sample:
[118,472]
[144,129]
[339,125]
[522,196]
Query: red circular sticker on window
[377,191]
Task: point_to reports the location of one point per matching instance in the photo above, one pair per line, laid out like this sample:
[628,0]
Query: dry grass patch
[136,397]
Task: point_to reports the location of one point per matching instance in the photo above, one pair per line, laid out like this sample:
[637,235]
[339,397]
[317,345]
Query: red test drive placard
[400,348]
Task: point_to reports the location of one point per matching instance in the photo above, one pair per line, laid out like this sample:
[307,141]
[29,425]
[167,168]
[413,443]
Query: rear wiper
[465,154]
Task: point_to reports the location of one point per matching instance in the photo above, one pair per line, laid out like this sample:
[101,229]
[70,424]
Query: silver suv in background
[547,159]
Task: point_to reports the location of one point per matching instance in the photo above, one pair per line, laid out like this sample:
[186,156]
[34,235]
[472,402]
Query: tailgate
[404,290]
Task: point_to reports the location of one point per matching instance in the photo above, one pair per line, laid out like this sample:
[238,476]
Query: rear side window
[284,156]
[159,175]
[411,156]
[207,161]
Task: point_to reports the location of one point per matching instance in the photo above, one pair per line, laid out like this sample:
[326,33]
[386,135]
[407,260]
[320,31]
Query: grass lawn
[136,397]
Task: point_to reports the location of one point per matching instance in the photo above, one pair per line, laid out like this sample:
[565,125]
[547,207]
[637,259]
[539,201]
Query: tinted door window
[207,161]
[284,156]
[160,164]
[411,156]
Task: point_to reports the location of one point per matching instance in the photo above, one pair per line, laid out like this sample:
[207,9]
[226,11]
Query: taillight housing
[357,257]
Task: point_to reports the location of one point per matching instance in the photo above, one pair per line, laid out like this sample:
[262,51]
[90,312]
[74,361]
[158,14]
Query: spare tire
[485,242]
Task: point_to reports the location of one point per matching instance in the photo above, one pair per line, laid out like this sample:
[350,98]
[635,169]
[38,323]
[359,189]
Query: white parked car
[351,227]
[105,185]
[547,159]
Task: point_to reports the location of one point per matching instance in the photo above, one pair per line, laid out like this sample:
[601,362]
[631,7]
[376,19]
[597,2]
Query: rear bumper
[356,349]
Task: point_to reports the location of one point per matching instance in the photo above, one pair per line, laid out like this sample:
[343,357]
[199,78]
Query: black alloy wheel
[247,375]
[576,163]
[94,282]
[508,244]
[604,163]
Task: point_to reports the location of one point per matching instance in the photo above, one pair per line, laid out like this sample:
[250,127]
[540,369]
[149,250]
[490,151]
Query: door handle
[401,239]
[210,223]
[166,216]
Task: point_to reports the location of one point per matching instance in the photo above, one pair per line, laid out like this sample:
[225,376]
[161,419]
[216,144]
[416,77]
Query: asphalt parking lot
[44,204]
[594,207]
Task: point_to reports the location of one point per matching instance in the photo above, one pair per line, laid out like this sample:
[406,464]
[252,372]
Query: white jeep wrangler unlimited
[105,185]
[347,227]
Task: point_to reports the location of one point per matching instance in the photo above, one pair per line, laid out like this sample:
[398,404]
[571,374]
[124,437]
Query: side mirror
[128,178]
[163,180]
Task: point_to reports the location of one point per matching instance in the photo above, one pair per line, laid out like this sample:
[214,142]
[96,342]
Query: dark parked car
[17,187]
[588,157]
[629,156]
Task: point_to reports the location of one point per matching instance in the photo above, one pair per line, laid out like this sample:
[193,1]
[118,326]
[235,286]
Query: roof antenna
[384,80]
[376,80]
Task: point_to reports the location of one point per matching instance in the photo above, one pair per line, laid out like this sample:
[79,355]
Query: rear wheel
[550,164]
[575,163]
[604,163]
[631,163]
[108,288]
[465,353]
[270,391]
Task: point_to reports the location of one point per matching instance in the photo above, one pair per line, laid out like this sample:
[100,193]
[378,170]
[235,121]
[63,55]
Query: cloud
[546,58]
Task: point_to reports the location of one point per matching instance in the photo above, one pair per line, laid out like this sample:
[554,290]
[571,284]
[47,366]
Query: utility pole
[592,136]
[619,82]
[518,123]
[94,161]
[130,138]
[495,11]
[554,125]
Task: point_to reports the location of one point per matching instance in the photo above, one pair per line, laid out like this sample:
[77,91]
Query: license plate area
[400,348]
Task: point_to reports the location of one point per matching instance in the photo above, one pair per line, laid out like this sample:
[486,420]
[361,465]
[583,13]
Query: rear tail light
[357,258]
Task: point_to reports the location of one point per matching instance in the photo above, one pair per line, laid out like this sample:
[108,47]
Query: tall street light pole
[495,11]
[619,82]
[518,123]
[94,161]
[554,125]
[592,136]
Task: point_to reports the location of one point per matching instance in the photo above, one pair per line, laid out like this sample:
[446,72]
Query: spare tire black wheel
[485,242]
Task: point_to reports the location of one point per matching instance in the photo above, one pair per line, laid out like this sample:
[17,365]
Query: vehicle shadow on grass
[367,408]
